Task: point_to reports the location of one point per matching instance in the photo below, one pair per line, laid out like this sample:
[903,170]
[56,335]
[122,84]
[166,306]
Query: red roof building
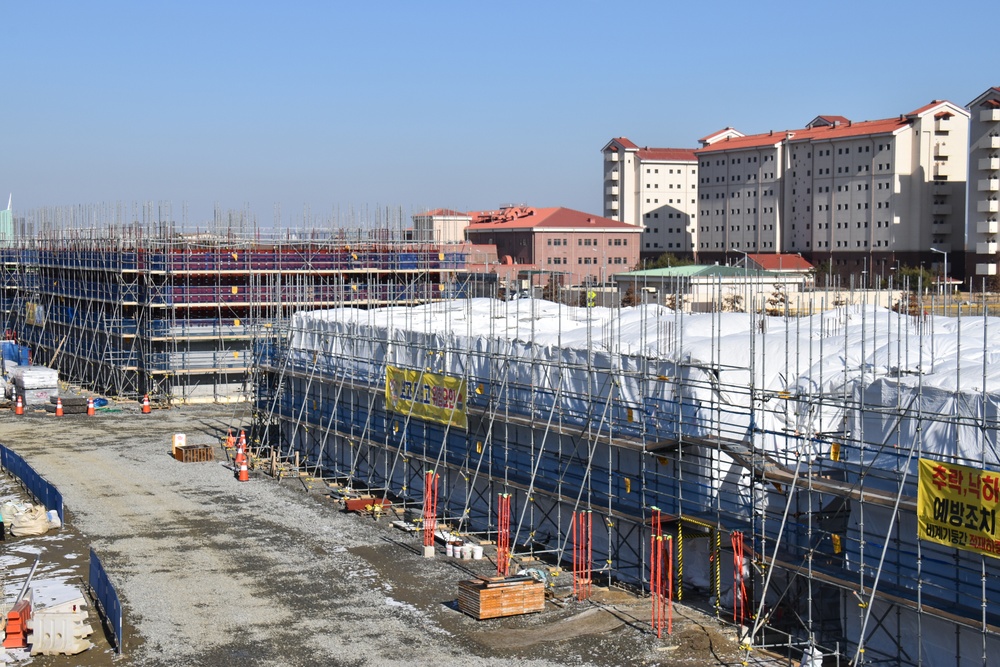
[582,248]
[862,195]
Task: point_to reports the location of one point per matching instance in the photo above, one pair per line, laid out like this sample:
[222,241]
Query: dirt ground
[216,572]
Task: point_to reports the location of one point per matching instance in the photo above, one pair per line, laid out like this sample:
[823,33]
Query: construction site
[823,478]
[128,302]
[762,464]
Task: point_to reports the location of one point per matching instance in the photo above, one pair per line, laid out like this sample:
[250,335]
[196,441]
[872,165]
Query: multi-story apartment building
[865,196]
[984,191]
[656,189]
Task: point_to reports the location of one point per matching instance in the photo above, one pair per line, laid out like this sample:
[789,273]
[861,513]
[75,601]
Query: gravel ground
[215,572]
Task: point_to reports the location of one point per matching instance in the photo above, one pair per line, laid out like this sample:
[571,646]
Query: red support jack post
[430,511]
[661,576]
[583,558]
[739,585]
[503,535]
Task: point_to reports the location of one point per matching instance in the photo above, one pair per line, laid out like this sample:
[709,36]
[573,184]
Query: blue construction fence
[48,495]
[107,598]
[43,492]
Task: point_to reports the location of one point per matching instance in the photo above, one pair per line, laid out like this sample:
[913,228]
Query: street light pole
[945,253]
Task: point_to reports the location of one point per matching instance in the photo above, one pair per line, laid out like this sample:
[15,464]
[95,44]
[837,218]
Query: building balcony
[613,204]
[989,163]
[989,185]
[989,269]
[940,150]
[941,228]
[988,206]
[986,248]
[613,176]
[611,190]
[941,209]
[942,169]
[941,190]
[988,227]
[611,156]
[942,124]
[989,116]
[990,142]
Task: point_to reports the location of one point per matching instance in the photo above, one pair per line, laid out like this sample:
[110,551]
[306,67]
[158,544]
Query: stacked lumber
[194,453]
[493,597]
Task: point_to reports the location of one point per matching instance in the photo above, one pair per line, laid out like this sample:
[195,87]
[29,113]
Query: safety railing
[41,490]
[106,595]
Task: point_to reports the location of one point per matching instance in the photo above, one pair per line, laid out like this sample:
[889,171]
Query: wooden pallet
[194,453]
[494,597]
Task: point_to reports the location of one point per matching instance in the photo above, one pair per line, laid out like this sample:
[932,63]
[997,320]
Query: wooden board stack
[493,597]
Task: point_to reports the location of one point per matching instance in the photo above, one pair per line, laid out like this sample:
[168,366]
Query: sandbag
[34,521]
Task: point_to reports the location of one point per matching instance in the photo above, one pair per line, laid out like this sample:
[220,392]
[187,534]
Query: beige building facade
[440,226]
[982,253]
[865,196]
[655,189]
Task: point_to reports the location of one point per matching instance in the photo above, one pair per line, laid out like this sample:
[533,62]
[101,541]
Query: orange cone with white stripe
[19,406]
[241,455]
[90,407]
[59,410]
[244,475]
[145,405]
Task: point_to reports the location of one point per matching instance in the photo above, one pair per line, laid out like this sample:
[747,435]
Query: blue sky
[332,106]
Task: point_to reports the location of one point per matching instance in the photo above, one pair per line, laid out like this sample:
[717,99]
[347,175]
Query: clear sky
[334,105]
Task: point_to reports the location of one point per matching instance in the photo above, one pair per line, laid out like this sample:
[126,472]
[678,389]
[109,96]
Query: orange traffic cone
[241,455]
[230,440]
[19,406]
[90,407]
[244,475]
[59,410]
[243,439]
[145,405]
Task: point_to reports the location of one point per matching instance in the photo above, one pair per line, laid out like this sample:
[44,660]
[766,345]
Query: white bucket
[466,552]
[449,549]
[477,553]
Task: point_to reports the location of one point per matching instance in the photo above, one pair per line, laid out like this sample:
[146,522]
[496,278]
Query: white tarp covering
[823,361]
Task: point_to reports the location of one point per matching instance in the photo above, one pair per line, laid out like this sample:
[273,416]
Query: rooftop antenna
[10,198]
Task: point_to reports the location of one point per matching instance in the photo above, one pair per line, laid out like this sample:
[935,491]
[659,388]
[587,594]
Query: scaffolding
[129,302]
[785,447]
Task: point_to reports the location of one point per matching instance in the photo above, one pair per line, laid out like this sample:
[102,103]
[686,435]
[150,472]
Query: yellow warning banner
[957,506]
[436,398]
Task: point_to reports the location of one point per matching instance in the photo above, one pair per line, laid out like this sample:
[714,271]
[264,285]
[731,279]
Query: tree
[553,288]
[732,302]
[777,300]
[667,260]
[915,277]
[629,298]
[823,273]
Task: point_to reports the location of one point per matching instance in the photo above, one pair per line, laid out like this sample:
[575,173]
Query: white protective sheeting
[823,360]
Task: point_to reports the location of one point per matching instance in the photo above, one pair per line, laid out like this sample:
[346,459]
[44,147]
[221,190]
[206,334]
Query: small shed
[706,288]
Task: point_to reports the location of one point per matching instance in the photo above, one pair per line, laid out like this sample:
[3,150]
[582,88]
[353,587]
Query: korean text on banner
[957,506]
[436,398]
